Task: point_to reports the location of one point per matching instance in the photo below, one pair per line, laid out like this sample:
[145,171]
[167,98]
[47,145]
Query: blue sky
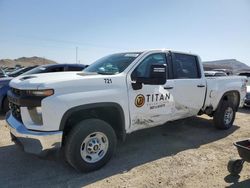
[214,29]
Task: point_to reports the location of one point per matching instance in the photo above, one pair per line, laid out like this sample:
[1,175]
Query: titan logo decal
[157,97]
[139,100]
[153,101]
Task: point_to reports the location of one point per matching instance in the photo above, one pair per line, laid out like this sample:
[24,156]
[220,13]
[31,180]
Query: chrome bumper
[34,142]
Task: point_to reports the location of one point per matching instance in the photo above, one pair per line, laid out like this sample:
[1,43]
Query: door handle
[168,87]
[200,85]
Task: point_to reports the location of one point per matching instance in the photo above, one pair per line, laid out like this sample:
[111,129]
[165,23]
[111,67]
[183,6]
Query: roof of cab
[169,50]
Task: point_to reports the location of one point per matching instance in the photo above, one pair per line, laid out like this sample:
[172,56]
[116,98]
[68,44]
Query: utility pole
[76,55]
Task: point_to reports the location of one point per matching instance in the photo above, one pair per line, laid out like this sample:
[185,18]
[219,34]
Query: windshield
[112,64]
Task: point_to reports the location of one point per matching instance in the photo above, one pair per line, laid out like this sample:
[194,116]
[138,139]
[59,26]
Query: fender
[228,92]
[75,109]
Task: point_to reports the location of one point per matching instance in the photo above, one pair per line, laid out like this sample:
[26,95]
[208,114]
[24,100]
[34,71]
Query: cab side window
[143,69]
[185,66]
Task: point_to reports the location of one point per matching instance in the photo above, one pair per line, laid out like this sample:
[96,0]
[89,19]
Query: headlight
[40,93]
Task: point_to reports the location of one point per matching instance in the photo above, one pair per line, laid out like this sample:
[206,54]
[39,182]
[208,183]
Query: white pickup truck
[85,113]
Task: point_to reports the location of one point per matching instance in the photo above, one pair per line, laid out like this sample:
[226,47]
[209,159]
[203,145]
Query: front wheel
[225,115]
[90,145]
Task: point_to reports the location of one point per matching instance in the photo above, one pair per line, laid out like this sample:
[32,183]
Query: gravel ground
[185,153]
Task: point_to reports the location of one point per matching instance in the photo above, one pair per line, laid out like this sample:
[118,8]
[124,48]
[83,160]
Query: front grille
[16,112]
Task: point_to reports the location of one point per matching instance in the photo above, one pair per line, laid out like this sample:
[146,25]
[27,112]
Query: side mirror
[157,76]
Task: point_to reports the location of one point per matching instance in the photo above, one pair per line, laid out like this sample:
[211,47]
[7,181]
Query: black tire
[6,105]
[76,137]
[234,167]
[220,114]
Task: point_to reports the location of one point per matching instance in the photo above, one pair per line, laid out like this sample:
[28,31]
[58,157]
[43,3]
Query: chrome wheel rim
[228,116]
[94,147]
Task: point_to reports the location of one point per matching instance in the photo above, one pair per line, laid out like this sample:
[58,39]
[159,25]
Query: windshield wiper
[106,73]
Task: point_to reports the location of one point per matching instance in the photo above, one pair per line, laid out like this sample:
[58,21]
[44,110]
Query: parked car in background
[4,86]
[214,73]
[56,68]
[227,71]
[4,83]
[20,71]
[2,73]
[9,70]
[247,99]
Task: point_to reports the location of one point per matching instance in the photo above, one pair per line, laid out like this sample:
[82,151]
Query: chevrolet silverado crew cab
[85,113]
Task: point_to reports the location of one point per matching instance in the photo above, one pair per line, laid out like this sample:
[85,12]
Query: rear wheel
[90,145]
[224,115]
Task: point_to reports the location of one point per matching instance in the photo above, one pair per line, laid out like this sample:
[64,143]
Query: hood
[63,81]
[35,80]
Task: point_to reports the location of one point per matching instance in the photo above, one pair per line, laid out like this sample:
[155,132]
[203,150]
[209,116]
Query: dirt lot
[187,153]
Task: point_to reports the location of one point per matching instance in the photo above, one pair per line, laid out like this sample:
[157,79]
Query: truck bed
[218,86]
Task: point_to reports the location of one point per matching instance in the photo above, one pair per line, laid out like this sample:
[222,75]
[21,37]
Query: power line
[71,42]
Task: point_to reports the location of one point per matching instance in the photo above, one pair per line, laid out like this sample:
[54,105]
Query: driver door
[152,104]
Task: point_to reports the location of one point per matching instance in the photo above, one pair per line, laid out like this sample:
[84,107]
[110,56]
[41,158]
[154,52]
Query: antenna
[76,55]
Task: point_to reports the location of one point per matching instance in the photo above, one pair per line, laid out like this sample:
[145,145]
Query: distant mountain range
[25,61]
[231,64]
